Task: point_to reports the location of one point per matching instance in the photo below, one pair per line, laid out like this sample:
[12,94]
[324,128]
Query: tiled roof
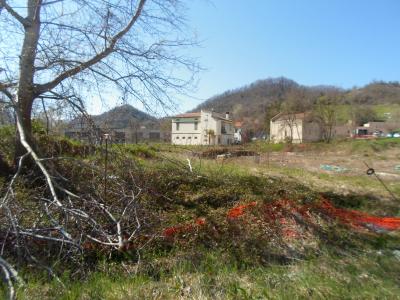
[238,124]
[281,116]
[188,115]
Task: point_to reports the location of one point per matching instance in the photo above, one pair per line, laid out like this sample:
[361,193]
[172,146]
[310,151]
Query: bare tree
[62,52]
[362,114]
[326,113]
[66,50]
[296,102]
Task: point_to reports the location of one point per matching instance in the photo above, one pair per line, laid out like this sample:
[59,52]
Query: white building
[202,128]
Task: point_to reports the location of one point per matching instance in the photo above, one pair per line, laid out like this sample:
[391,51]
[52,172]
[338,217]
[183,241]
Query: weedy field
[273,225]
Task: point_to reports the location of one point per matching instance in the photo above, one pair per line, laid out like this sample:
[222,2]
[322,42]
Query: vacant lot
[277,224]
[340,167]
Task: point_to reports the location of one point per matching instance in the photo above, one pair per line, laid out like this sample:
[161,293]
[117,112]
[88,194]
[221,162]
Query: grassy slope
[344,111]
[381,109]
[366,276]
[370,272]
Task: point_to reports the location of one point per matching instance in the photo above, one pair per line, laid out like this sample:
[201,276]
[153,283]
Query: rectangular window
[177,137]
[223,129]
[177,126]
[195,137]
[195,125]
[183,137]
[189,137]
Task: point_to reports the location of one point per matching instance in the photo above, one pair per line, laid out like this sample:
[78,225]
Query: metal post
[106,137]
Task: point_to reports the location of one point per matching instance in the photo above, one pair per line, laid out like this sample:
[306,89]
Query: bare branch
[108,50]
[12,12]
[10,275]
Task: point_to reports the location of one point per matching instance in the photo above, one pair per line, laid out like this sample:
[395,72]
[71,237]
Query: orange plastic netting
[357,218]
[281,209]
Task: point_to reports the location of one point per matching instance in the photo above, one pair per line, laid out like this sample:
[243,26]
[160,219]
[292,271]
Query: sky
[345,43]
[338,42]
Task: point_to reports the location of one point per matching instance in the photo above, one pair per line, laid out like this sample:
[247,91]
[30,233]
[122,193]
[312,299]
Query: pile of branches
[64,210]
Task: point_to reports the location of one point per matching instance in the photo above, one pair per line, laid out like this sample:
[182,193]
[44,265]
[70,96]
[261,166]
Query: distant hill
[120,117]
[375,93]
[251,103]
[244,101]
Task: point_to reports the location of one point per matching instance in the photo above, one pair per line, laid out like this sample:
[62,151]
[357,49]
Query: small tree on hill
[326,114]
[296,102]
[362,114]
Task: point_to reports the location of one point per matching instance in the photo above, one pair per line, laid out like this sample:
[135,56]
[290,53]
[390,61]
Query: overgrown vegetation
[214,276]
[216,232]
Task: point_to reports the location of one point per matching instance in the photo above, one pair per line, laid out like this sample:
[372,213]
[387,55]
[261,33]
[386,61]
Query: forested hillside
[257,102]
[122,116]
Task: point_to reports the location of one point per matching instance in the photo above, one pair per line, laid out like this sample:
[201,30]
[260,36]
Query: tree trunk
[24,106]
[26,88]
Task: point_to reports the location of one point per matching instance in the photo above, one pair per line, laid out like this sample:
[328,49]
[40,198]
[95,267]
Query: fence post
[106,138]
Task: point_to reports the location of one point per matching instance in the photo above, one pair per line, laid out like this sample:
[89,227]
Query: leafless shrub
[48,218]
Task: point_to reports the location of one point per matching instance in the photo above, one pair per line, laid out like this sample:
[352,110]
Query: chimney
[227,115]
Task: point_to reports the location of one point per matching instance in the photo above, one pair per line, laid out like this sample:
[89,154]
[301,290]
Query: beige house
[301,127]
[295,128]
[202,128]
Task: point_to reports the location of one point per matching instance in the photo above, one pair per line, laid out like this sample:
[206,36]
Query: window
[195,125]
[177,126]
[195,137]
[189,137]
[177,137]
[183,137]
[223,129]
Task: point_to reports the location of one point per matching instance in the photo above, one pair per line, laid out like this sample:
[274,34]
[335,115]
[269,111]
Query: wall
[186,134]
[311,132]
[280,130]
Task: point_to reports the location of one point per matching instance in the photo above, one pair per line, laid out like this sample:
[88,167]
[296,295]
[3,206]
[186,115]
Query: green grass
[381,109]
[372,275]
[233,262]
[344,111]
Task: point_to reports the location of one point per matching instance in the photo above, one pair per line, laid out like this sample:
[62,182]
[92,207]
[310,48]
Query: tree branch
[95,59]
[4,88]
[12,12]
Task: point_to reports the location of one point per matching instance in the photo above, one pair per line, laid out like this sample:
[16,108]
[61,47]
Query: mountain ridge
[252,103]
